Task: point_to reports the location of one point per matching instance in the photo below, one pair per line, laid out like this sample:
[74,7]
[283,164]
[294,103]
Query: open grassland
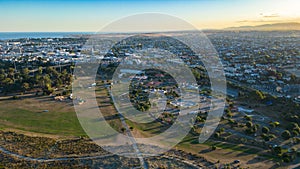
[226,153]
[41,114]
[107,108]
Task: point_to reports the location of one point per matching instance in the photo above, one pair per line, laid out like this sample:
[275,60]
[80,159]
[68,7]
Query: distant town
[266,61]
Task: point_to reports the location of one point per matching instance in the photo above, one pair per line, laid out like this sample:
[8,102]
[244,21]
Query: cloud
[259,21]
[275,15]
[242,21]
[264,18]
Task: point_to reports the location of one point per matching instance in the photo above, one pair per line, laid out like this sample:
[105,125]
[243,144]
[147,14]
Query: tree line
[43,78]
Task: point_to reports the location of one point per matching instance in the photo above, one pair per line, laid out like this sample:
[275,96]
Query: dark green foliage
[265,129]
[286,135]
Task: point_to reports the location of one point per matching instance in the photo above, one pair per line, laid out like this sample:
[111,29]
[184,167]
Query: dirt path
[132,139]
[87,157]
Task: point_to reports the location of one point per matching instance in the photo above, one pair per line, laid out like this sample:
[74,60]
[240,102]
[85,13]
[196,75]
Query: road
[129,134]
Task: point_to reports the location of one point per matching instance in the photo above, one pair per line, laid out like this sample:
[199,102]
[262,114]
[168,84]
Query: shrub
[213,147]
[265,130]
[286,135]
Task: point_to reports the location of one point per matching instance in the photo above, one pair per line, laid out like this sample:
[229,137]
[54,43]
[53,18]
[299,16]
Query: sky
[92,15]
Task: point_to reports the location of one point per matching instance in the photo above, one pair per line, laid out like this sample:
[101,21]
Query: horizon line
[95,32]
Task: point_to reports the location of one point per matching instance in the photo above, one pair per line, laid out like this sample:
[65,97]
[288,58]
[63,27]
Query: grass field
[147,129]
[226,153]
[41,114]
[107,108]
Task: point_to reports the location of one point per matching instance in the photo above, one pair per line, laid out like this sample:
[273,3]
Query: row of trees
[12,80]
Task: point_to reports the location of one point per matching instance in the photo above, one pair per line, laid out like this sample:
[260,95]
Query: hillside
[269,27]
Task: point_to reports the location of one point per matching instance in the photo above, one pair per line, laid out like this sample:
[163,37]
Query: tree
[217,135]
[260,95]
[293,77]
[2,75]
[11,73]
[272,125]
[249,124]
[2,71]
[248,118]
[25,73]
[265,137]
[7,81]
[265,129]
[213,147]
[249,131]
[295,133]
[40,70]
[286,135]
[232,122]
[221,130]
[25,86]
[277,150]
[229,114]
[198,119]
[254,128]
[271,136]
[276,123]
[292,126]
[123,129]
[46,81]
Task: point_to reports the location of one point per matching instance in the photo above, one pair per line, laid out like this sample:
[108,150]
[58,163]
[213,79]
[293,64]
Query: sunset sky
[92,15]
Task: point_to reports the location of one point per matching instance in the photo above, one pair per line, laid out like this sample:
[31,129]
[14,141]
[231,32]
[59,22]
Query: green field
[41,114]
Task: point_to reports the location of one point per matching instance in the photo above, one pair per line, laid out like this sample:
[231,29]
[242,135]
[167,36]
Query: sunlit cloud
[259,21]
[274,15]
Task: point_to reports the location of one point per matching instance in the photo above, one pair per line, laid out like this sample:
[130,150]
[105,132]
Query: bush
[217,135]
[265,130]
[248,118]
[123,129]
[260,94]
[292,126]
[249,131]
[286,135]
[295,133]
[249,124]
[15,97]
[213,147]
[64,93]
[221,130]
[277,150]
[286,160]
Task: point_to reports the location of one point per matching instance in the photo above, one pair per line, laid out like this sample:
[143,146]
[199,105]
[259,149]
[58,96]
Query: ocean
[18,35]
